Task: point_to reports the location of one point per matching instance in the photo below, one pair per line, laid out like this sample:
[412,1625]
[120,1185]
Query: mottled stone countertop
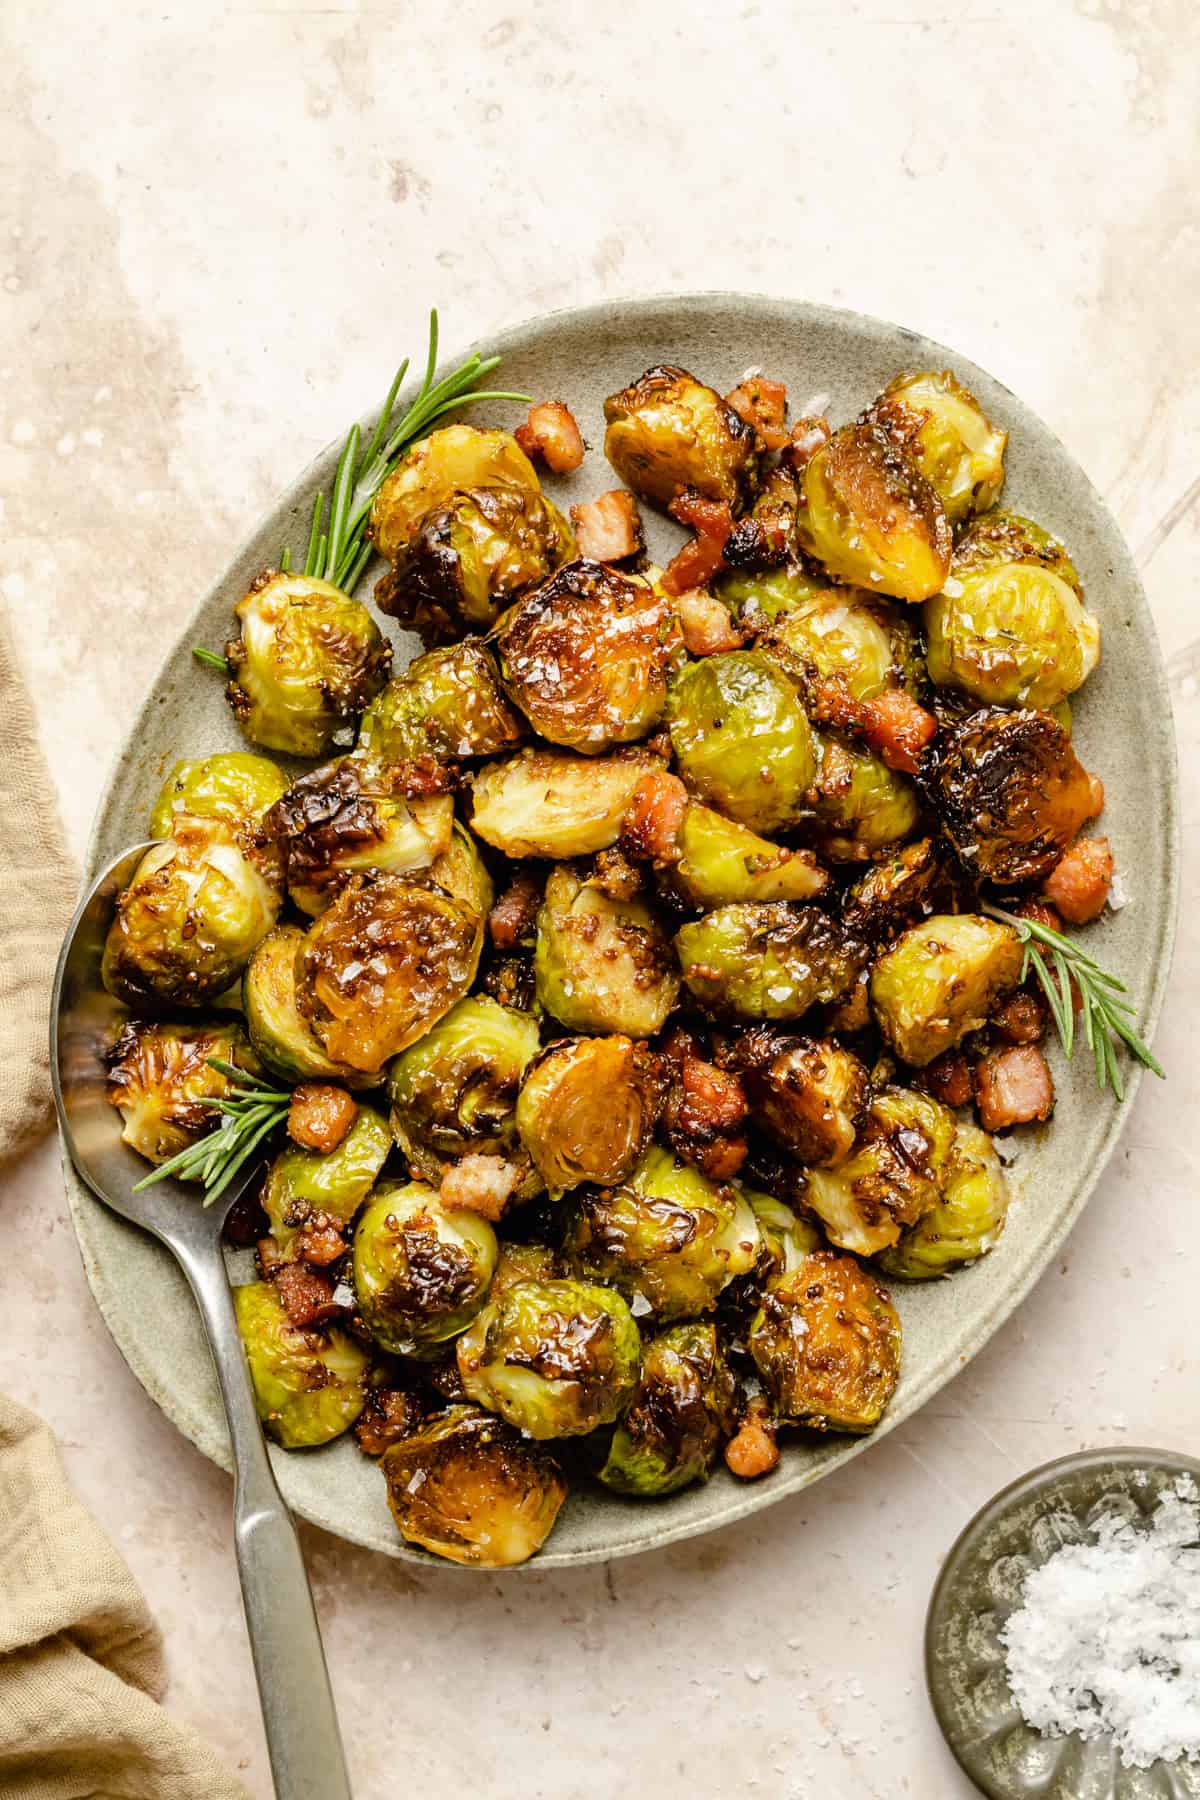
[221,224]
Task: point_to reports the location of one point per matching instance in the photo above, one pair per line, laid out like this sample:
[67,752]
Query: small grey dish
[830,360]
[981,1585]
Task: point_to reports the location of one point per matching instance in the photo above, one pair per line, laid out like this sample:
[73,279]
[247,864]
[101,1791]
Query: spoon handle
[303,1739]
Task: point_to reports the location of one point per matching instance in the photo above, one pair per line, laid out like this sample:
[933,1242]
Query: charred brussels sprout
[859,805]
[669,431]
[586,656]
[721,862]
[446,704]
[234,786]
[683,1407]
[159,1079]
[443,464]
[550,803]
[871,518]
[586,1110]
[468,1487]
[282,1039]
[309,1386]
[554,1358]
[381,965]
[307,662]
[454,1091]
[826,1341]
[768,962]
[600,964]
[421,1272]
[741,738]
[668,1238]
[302,1182]
[893,1178]
[966,1222]
[1010,626]
[337,822]
[948,435]
[940,980]
[907,885]
[841,633]
[808,1094]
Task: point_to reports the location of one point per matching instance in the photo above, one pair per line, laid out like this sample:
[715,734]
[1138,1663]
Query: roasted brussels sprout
[871,518]
[283,1040]
[721,862]
[1011,793]
[447,703]
[600,964]
[859,805]
[668,1238]
[447,462]
[554,1358]
[522,1262]
[461,871]
[844,634]
[684,1405]
[1010,626]
[826,1341]
[471,558]
[762,595]
[946,432]
[234,786]
[421,1272]
[586,656]
[189,921]
[586,1110]
[940,980]
[454,1091]
[809,1095]
[159,1079]
[741,738]
[302,1182]
[308,660]
[907,885]
[669,431]
[893,1178]
[468,1487]
[381,965]
[309,1386]
[966,1222]
[787,1238]
[550,803]
[768,962]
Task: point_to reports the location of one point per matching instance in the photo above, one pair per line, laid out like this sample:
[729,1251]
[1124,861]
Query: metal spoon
[303,1739]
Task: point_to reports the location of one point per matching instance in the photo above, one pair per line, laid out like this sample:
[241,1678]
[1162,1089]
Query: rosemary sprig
[250,1110]
[1106,1019]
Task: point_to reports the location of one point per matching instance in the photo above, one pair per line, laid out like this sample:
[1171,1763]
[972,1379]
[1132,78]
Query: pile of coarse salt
[1107,1638]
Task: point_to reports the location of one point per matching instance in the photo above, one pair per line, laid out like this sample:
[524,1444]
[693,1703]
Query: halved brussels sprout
[283,1040]
[787,1238]
[382,964]
[468,1487]
[683,1407]
[942,426]
[871,518]
[908,884]
[554,1358]
[843,633]
[447,703]
[768,962]
[454,1091]
[443,464]
[302,1182]
[1011,793]
[809,1094]
[235,786]
[940,980]
[586,1110]
[1010,627]
[826,1341]
[189,921]
[860,806]
[550,803]
[894,1177]
[471,558]
[721,862]
[600,964]
[339,821]
[741,739]
[669,431]
[966,1222]
[309,1386]
[421,1272]
[159,1078]
[668,1238]
[586,656]
[307,662]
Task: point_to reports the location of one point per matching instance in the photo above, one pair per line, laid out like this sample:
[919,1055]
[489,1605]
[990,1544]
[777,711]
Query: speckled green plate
[834,359]
[981,1585]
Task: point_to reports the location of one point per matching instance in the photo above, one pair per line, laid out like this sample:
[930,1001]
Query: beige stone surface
[221,223]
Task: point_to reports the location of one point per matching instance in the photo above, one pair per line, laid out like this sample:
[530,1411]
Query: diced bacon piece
[708,626]
[321,1241]
[609,528]
[1013,1087]
[389,1415]
[763,405]
[704,557]
[808,435]
[510,922]
[1078,885]
[479,1184]
[752,1450]
[1020,1018]
[550,432]
[307,1297]
[948,1079]
[705,1107]
[320,1115]
[650,831]
[897,728]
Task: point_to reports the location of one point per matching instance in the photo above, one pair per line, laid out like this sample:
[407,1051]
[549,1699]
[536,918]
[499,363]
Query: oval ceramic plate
[829,360]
